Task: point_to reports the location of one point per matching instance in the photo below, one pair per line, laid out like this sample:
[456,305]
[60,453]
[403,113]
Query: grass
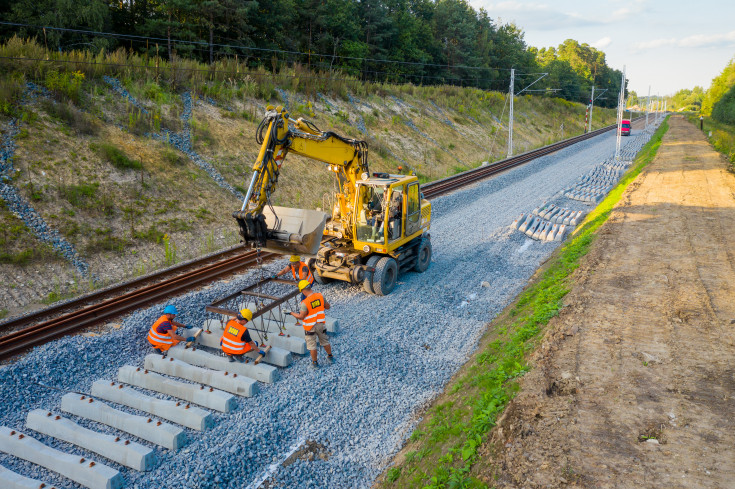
[444,449]
[4,313]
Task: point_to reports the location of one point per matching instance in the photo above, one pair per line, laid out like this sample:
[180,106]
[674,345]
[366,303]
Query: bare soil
[634,384]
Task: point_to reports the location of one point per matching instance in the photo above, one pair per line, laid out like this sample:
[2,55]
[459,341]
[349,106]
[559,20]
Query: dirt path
[634,385]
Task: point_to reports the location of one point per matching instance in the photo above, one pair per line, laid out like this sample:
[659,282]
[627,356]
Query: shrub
[81,122]
[114,155]
[172,157]
[81,196]
[10,93]
[67,84]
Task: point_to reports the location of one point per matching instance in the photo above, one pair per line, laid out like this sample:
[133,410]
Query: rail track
[98,307]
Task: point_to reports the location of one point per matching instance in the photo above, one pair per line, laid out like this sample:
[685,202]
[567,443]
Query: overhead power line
[247,48]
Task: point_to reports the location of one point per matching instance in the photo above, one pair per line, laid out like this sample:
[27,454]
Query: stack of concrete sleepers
[548,222]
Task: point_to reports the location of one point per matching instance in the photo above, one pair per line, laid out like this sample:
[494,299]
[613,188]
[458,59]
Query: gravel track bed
[364,406]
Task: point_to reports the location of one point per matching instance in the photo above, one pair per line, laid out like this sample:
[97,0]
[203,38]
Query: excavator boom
[288,230]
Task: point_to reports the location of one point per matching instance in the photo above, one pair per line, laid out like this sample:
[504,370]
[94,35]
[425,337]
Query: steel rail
[446,185]
[19,341]
[118,289]
[193,274]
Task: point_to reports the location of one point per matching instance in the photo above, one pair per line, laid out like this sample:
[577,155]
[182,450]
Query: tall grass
[722,138]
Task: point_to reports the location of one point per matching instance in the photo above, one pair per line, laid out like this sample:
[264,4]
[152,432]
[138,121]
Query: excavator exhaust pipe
[288,231]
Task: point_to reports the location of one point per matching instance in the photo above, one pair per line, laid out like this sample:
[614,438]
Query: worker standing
[701,123]
[162,334]
[314,320]
[236,340]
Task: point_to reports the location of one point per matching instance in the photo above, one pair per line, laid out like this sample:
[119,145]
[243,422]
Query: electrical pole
[592,103]
[510,124]
[648,104]
[621,104]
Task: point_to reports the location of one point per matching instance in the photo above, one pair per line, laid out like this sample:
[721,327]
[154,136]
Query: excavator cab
[389,211]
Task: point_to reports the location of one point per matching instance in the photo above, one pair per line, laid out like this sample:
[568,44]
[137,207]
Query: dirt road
[634,385]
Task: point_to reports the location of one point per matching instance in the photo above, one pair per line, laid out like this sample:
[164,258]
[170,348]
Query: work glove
[190,338]
[261,352]
[188,327]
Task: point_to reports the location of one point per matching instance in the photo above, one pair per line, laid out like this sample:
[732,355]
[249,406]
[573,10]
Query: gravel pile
[394,353]
[325,100]
[21,208]
[442,115]
[18,205]
[182,142]
[360,120]
[7,150]
[117,86]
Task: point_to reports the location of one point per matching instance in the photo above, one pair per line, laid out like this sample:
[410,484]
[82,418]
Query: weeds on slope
[444,448]
[722,137]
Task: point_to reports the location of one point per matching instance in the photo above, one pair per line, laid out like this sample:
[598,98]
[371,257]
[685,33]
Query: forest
[421,42]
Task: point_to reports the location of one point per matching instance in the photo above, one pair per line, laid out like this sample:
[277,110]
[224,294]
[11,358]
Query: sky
[668,45]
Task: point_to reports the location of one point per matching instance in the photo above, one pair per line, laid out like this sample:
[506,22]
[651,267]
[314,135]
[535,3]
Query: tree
[720,86]
[90,15]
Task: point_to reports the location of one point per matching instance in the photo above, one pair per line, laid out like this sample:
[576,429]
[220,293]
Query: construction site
[229,275]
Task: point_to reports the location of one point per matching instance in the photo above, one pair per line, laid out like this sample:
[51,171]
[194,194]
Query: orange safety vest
[314,311]
[304,273]
[231,342]
[158,340]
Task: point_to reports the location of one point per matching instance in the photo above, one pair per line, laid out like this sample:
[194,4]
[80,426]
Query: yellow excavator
[379,224]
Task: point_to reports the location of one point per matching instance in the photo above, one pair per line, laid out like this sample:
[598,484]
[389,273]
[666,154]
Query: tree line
[426,42]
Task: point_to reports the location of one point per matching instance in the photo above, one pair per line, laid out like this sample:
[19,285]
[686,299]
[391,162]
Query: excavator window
[395,214]
[369,225]
[413,209]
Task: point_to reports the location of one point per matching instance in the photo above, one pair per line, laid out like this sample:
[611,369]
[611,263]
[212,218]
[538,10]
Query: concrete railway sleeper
[216,381]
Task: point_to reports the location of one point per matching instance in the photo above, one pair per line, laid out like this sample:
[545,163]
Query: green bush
[20,258]
[173,158]
[81,196]
[67,84]
[114,155]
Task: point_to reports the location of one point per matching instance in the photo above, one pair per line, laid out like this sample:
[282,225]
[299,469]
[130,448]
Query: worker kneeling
[314,321]
[236,341]
[162,334]
[299,270]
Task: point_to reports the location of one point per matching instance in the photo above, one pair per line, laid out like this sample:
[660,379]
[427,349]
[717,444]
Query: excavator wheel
[423,258]
[321,279]
[367,284]
[385,276]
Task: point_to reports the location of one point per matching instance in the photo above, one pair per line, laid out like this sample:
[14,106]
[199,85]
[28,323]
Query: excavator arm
[297,230]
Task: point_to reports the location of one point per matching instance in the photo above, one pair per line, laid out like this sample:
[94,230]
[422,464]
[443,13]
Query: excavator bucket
[294,231]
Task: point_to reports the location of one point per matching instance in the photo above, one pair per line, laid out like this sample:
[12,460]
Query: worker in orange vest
[162,334]
[236,340]
[299,270]
[314,321]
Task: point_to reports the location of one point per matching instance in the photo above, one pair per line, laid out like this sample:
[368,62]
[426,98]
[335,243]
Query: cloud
[655,44]
[542,16]
[695,41]
[701,40]
[602,43]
